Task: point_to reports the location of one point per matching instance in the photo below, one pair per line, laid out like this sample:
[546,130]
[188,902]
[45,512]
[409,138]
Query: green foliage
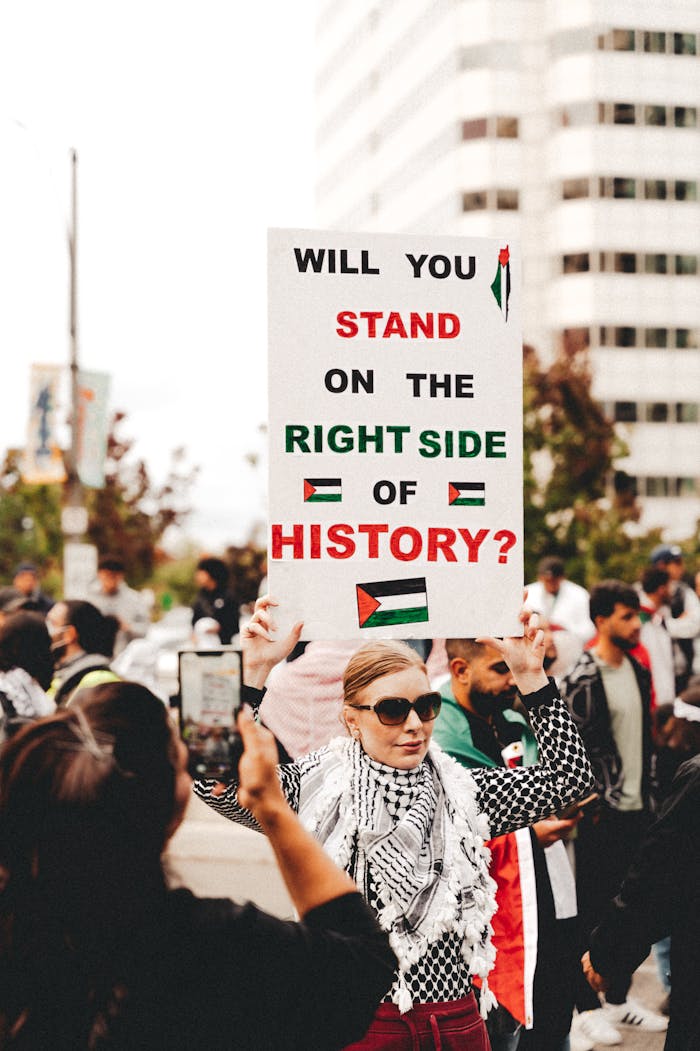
[573,508]
[248,566]
[173,581]
[127,517]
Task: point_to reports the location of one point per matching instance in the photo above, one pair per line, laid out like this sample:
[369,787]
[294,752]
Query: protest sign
[395,428]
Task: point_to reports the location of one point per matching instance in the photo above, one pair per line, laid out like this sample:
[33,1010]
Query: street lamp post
[79,559]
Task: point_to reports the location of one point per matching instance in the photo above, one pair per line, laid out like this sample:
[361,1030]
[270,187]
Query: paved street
[216,858]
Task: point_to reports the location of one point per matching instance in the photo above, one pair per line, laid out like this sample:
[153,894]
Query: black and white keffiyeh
[25,694]
[414,841]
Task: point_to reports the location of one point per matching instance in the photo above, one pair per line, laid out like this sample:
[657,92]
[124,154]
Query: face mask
[58,649]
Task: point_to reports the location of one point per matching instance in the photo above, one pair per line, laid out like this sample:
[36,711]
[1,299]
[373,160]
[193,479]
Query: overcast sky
[193,125]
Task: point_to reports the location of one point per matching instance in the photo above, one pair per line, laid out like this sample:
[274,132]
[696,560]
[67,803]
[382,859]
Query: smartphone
[209,698]
[583,805]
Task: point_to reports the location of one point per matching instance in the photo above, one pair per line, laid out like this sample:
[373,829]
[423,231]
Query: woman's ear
[350,719]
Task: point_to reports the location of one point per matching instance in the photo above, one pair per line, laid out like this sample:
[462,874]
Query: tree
[576,505]
[131,513]
[128,516]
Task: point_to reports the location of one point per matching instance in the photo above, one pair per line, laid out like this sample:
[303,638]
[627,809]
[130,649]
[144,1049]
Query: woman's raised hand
[259,788]
[524,654]
[261,651]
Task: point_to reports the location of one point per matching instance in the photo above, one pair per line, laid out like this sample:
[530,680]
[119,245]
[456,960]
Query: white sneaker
[632,1013]
[577,1038]
[595,1026]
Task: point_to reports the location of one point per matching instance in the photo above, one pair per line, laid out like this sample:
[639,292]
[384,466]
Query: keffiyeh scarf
[417,839]
[26,695]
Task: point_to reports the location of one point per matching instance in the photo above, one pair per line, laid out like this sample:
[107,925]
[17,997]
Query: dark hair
[653,578]
[25,643]
[87,798]
[96,632]
[606,595]
[467,649]
[112,562]
[217,570]
[552,566]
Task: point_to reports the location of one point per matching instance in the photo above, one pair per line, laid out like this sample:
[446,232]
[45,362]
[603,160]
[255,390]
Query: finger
[486,640]
[219,789]
[253,628]
[262,616]
[264,601]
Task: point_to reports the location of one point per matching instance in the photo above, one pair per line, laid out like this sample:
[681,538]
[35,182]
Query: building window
[622,40]
[623,113]
[474,129]
[687,412]
[654,43]
[655,189]
[474,201]
[656,337]
[576,263]
[624,187]
[655,264]
[657,412]
[684,44]
[656,486]
[574,189]
[625,412]
[655,115]
[625,336]
[686,264]
[506,127]
[625,263]
[507,200]
[686,190]
[686,338]
[685,116]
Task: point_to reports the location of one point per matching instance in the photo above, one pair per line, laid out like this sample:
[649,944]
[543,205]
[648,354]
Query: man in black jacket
[660,896]
[608,693]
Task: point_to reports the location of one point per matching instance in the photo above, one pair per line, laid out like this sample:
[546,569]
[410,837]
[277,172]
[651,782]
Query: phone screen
[210,695]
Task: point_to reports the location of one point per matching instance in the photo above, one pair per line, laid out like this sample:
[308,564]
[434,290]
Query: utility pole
[79,559]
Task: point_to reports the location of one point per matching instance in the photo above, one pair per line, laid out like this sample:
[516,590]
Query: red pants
[453,1026]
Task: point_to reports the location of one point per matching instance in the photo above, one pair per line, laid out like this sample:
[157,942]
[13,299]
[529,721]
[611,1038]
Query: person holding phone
[409,823]
[96,952]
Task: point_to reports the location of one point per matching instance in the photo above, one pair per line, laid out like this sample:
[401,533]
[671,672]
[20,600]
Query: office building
[570,126]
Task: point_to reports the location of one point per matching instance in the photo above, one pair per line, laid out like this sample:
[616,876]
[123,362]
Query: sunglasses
[392,711]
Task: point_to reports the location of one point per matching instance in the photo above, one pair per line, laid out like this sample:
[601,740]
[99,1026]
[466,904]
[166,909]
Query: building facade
[571,126]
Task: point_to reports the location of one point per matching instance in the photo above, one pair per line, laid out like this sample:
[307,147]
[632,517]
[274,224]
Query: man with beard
[608,693]
[534,928]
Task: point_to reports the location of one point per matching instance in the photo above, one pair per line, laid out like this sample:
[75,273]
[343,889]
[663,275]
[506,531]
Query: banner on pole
[42,463]
[395,424]
[92,427]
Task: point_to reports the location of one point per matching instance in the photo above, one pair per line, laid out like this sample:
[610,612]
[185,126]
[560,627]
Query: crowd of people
[513,812]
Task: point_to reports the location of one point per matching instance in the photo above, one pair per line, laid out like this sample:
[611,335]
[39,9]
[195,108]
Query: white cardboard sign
[395,426]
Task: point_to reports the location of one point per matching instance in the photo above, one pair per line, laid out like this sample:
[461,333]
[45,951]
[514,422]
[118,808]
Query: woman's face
[404,746]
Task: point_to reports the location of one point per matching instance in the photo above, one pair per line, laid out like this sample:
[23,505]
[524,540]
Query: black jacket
[661,896]
[583,691]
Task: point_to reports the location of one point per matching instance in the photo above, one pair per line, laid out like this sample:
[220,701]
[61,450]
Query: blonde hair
[373,661]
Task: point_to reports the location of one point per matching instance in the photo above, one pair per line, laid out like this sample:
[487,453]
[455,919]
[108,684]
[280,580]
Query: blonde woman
[409,824]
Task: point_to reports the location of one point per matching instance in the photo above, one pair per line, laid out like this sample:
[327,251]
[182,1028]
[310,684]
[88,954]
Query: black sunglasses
[392,711]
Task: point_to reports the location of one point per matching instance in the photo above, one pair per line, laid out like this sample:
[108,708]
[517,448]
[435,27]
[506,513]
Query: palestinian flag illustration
[500,286]
[385,602]
[322,490]
[467,494]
